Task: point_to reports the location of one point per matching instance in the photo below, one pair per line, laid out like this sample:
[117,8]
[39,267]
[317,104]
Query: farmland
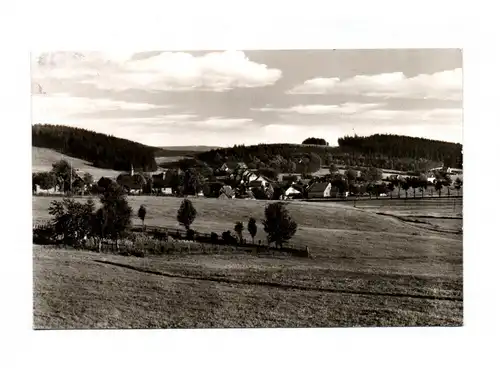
[43,158]
[366,269]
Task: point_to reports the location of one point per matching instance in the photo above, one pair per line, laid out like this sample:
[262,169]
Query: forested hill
[103,151]
[383,151]
[404,146]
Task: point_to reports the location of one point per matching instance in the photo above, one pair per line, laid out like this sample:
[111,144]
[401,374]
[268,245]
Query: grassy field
[43,158]
[367,270]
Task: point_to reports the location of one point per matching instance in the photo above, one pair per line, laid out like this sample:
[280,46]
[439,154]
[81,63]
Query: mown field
[366,270]
[43,158]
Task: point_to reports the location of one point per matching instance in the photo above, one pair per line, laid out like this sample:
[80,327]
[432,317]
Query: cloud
[321,109]
[168,71]
[445,85]
[82,112]
[437,115]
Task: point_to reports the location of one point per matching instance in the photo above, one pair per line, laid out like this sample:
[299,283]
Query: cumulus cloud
[168,71]
[441,85]
[322,109]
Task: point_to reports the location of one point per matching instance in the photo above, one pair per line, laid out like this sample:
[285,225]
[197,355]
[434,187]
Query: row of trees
[278,224]
[369,181]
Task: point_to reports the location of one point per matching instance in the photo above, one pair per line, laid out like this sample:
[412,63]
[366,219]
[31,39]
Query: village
[236,180]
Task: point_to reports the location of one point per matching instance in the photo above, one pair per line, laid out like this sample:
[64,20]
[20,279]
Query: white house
[292,191]
[319,190]
[260,181]
[53,190]
[166,190]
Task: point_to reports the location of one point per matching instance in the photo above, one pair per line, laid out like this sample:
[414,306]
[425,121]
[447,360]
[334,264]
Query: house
[132,183]
[247,176]
[54,190]
[293,192]
[260,181]
[227,191]
[319,190]
[224,168]
[212,189]
[162,184]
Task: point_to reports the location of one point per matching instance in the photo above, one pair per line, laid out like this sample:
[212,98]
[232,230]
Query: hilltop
[393,152]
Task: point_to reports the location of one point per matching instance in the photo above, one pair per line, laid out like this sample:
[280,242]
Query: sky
[222,98]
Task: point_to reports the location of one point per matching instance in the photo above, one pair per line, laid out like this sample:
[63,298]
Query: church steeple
[131,170]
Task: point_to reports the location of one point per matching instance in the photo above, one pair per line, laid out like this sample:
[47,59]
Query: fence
[201,237]
[156,240]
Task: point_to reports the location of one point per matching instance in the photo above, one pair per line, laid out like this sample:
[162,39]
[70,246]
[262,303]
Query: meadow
[366,269]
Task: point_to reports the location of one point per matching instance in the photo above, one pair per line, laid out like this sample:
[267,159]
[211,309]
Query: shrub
[186,214]
[252,228]
[278,225]
[160,235]
[228,238]
[190,234]
[214,238]
[44,235]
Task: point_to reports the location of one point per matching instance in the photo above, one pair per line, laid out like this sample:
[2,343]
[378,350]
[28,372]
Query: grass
[43,158]
[367,270]
[73,290]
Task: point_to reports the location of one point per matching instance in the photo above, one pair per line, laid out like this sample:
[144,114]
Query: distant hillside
[395,146]
[384,151]
[190,148]
[100,150]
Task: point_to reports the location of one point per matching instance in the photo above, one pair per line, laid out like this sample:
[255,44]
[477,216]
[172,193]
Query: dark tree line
[103,151]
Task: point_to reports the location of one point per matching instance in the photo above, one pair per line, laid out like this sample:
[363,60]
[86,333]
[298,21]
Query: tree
[391,187]
[351,175]
[315,141]
[269,173]
[141,213]
[115,214]
[458,184]
[71,219]
[447,182]
[46,180]
[278,224]
[186,214]
[372,174]
[422,184]
[238,228]
[192,181]
[252,228]
[88,180]
[438,186]
[64,174]
[371,189]
[340,184]
[406,186]
[333,169]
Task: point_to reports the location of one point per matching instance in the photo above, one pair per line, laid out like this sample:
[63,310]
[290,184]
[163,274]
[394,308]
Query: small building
[53,190]
[260,181]
[224,168]
[227,191]
[319,190]
[293,192]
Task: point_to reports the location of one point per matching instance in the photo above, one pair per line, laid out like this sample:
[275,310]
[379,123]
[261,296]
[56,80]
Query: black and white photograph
[306,188]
